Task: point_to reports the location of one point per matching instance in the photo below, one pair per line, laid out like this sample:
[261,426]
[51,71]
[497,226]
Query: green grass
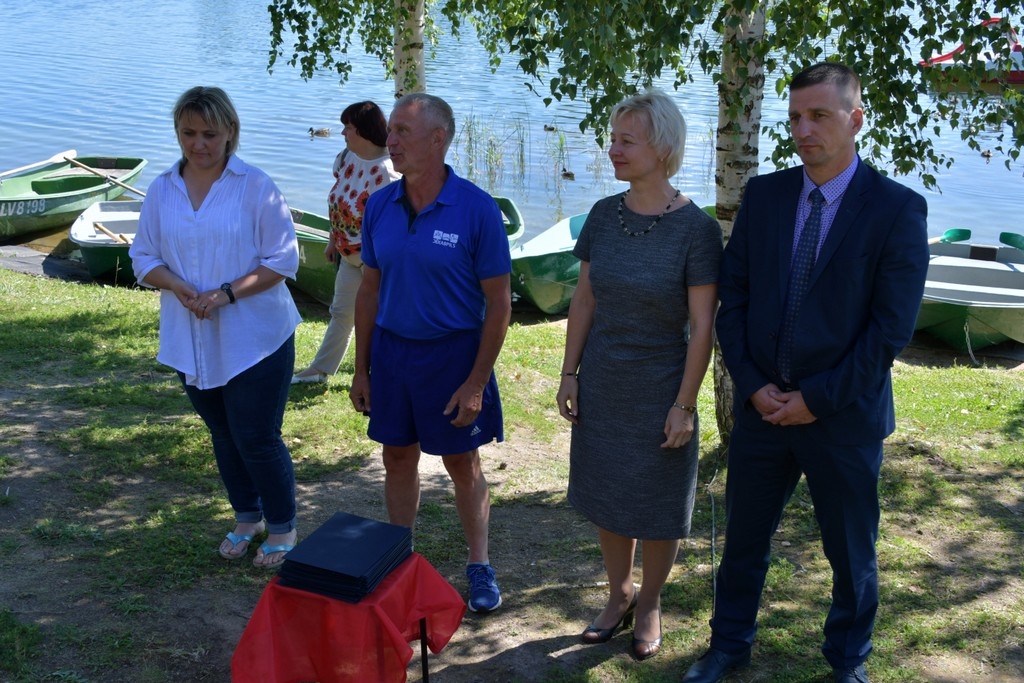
[18,643]
[77,374]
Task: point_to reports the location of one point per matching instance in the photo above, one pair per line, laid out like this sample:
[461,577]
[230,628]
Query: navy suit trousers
[764,469]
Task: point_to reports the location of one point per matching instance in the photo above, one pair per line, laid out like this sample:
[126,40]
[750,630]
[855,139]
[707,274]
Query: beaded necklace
[622,203]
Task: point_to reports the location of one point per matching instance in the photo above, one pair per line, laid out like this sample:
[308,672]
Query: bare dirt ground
[550,590]
[198,628]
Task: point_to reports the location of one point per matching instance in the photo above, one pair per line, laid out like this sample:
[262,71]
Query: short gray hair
[439,112]
[666,126]
[843,78]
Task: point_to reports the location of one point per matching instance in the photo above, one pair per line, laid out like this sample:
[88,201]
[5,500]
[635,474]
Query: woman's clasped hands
[201,304]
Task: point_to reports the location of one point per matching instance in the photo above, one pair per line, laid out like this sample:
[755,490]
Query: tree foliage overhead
[323,31]
[603,50]
[607,49]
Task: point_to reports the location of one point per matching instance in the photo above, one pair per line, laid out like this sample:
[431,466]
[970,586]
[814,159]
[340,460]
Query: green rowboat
[973,295]
[316,274]
[515,228]
[544,270]
[103,233]
[105,230]
[54,194]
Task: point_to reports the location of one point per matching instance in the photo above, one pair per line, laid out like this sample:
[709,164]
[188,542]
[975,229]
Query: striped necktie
[799,274]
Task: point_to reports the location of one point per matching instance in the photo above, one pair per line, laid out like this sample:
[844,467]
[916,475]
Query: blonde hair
[665,125]
[214,107]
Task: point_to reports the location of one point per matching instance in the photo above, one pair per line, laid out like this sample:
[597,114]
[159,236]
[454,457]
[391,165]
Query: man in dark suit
[809,329]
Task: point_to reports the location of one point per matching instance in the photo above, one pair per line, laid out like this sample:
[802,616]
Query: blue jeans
[244,418]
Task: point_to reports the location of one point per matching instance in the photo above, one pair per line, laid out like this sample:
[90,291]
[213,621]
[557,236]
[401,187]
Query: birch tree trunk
[741,91]
[409,23]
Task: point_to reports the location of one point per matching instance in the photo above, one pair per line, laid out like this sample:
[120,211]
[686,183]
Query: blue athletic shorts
[411,382]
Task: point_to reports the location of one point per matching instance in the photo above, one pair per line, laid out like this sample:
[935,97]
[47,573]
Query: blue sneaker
[484,595]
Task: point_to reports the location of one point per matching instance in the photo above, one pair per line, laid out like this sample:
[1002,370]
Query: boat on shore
[52,194]
[1002,64]
[105,230]
[974,295]
[515,227]
[316,274]
[103,233]
[544,270]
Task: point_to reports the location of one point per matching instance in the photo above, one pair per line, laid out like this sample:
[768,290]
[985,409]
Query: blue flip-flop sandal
[270,550]
[236,540]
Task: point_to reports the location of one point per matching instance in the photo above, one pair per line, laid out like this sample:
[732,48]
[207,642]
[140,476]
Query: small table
[295,636]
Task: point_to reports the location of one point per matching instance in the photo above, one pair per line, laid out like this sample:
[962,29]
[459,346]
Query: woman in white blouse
[215,235]
[362,168]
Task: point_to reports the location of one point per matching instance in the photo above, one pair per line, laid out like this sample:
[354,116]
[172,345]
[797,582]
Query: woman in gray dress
[637,346]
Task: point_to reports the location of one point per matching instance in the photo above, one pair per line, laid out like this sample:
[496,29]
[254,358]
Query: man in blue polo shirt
[431,316]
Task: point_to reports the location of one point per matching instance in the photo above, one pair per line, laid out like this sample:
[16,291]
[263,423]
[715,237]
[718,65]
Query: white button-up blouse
[243,223]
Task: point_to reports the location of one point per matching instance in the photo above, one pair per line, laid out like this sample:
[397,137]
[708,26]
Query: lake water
[102,77]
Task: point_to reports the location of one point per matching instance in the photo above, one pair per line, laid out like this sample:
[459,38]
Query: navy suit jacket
[859,312]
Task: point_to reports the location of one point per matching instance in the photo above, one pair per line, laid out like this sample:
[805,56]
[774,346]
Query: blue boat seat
[576,225]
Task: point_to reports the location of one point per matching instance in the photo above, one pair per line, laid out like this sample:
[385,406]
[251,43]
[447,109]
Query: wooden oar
[60,156]
[116,237]
[104,175]
[951,235]
[1012,239]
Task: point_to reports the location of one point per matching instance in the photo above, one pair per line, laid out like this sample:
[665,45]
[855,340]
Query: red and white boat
[1004,65]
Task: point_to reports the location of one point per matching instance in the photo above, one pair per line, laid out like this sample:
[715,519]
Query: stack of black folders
[346,557]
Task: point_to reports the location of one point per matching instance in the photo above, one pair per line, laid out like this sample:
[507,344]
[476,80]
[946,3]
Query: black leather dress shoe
[855,675]
[714,664]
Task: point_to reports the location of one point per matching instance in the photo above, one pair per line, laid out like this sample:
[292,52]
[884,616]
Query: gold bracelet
[685,409]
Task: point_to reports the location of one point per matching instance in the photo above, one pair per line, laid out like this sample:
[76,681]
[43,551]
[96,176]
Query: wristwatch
[226,288]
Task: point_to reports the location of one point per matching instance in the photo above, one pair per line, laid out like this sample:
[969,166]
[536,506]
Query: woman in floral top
[360,170]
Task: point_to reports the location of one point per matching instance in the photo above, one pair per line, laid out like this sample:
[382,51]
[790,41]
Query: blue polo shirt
[431,264]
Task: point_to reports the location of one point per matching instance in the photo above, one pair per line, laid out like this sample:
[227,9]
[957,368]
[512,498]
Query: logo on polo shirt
[446,239]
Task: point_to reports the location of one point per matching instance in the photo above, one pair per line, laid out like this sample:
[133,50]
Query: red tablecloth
[295,636]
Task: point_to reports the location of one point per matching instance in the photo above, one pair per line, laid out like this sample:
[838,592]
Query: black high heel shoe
[593,635]
[645,649]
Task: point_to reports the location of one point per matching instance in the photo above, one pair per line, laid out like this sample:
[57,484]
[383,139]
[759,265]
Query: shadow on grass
[925,350]
[155,543]
[1014,429]
[113,506]
[525,314]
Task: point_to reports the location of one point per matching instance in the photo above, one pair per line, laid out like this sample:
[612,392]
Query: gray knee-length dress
[632,365]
